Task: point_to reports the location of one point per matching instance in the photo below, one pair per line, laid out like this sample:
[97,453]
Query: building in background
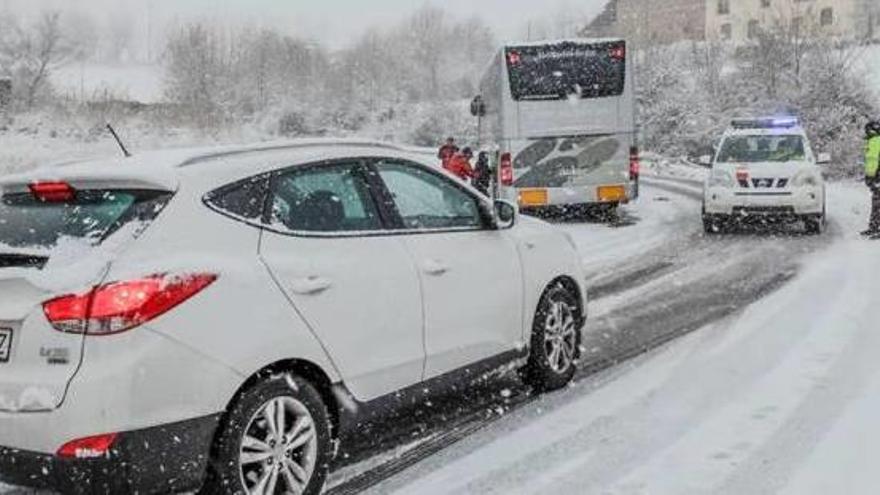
[647,22]
[741,21]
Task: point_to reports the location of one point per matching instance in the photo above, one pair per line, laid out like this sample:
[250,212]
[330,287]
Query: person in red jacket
[460,165]
[447,151]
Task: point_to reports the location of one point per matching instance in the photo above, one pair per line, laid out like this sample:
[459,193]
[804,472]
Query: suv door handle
[434,267]
[309,286]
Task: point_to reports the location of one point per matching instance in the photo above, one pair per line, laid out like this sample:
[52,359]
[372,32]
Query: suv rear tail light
[635,163]
[120,306]
[618,52]
[506,169]
[53,192]
[88,448]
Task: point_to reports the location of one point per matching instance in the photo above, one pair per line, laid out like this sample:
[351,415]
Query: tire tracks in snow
[689,284]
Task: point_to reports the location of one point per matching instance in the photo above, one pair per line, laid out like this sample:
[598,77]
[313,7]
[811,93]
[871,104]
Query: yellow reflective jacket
[872,156]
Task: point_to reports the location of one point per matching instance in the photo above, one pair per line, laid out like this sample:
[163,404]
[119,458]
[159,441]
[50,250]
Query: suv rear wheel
[555,341]
[275,439]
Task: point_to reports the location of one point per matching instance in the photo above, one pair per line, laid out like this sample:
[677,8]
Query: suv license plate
[5,344]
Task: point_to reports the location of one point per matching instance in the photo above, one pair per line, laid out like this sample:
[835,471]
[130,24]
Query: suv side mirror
[706,161]
[823,159]
[505,214]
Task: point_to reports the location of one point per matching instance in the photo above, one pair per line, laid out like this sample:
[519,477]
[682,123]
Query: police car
[765,171]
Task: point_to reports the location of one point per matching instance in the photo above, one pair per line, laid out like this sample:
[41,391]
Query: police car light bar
[766,123]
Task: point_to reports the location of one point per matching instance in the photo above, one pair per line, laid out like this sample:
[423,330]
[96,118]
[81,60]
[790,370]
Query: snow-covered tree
[29,53]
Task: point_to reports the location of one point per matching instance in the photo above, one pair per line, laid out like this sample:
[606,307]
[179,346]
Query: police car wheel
[814,225]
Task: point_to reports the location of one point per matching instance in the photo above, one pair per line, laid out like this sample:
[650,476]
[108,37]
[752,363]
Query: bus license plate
[533,197]
[5,344]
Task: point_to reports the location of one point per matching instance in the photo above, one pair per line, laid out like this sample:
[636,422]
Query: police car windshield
[763,148]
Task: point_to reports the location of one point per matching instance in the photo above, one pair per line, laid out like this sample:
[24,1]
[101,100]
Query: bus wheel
[607,212]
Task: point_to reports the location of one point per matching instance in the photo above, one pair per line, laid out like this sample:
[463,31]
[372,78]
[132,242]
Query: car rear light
[53,192]
[742,175]
[514,58]
[635,163]
[618,52]
[506,169]
[120,306]
[89,447]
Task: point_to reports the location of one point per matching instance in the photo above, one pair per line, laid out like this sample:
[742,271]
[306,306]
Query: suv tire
[277,433]
[555,343]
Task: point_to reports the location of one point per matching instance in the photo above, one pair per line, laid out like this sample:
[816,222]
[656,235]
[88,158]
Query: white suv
[222,318]
[765,170]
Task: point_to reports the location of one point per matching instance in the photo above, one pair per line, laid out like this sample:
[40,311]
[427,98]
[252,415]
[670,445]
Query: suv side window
[324,199]
[428,201]
[244,199]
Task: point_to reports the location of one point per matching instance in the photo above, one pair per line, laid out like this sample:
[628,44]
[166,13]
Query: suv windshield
[765,148]
[27,222]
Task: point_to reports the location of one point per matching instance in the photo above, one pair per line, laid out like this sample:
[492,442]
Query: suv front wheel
[555,344]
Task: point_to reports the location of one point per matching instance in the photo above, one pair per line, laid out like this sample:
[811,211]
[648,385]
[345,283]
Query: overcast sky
[335,22]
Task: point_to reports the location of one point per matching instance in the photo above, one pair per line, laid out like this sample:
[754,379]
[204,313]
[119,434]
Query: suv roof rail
[290,145]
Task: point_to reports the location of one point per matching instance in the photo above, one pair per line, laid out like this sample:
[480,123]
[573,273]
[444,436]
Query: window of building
[826,18]
[754,29]
[726,31]
[723,7]
[797,25]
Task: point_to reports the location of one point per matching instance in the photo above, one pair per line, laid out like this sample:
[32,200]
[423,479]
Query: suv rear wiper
[10,260]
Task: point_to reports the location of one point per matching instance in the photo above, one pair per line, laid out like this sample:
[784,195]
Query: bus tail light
[506,169]
[635,163]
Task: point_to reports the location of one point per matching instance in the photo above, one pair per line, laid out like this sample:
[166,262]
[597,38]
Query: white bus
[562,116]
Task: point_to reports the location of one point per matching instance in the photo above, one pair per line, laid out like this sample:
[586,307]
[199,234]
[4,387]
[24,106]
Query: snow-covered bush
[441,121]
[688,93]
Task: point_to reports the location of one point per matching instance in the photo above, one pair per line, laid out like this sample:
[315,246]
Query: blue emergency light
[766,123]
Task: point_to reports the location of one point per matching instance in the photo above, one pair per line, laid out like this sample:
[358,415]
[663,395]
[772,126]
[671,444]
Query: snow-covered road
[764,389]
[779,397]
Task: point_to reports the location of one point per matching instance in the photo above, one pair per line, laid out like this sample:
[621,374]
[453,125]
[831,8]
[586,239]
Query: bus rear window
[565,70]
[93,215]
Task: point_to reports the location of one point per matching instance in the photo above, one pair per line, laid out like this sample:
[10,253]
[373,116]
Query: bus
[560,116]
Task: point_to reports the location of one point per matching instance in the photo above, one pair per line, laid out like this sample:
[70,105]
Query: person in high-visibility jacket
[872,175]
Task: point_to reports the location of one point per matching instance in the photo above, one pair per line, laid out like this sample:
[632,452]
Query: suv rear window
[93,215]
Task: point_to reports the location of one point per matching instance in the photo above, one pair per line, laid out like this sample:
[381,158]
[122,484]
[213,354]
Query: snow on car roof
[161,169]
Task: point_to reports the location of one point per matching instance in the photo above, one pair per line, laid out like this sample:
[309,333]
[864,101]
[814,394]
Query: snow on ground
[142,83]
[775,398]
[645,226]
[37,140]
[781,397]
